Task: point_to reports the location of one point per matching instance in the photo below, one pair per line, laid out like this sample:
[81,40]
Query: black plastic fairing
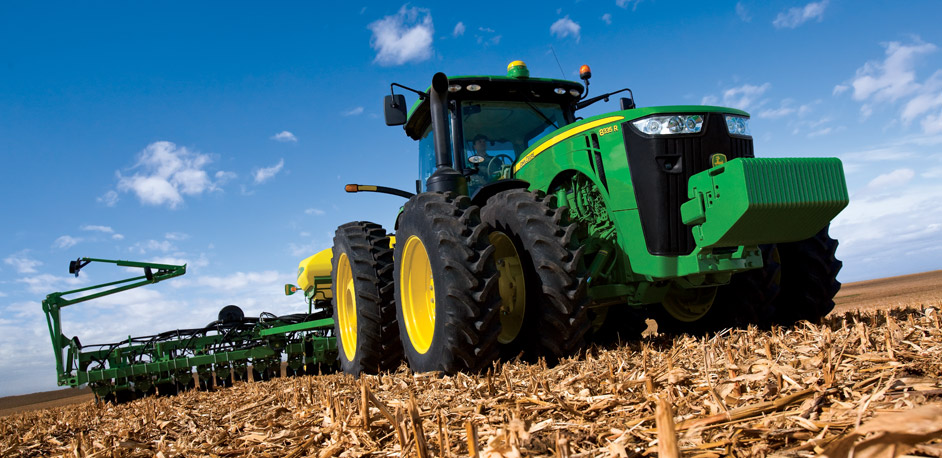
[660,167]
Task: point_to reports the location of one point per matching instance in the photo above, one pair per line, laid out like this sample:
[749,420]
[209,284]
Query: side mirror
[394,108]
[627,103]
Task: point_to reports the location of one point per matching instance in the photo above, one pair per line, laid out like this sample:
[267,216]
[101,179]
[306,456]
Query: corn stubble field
[867,380]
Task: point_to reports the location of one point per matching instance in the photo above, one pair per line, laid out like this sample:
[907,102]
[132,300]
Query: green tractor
[533,230]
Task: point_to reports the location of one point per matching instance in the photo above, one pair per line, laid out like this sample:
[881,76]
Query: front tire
[749,296]
[555,319]
[364,313]
[809,279]
[446,285]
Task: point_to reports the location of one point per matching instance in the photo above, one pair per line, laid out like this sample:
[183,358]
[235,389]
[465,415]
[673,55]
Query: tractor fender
[487,191]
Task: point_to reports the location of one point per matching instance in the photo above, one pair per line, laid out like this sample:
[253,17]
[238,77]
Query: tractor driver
[479,160]
[480,149]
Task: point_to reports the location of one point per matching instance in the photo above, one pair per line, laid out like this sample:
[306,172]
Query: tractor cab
[491,120]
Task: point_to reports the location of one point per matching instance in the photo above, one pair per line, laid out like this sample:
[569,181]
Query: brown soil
[867,375]
[917,290]
[43,400]
[924,289]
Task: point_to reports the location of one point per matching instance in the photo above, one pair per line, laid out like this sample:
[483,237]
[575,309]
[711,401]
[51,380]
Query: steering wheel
[499,160]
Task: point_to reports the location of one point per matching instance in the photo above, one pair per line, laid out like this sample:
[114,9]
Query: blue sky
[221,134]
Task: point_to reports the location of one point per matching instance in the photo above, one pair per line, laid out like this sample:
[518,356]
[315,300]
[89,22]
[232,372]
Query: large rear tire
[446,285]
[554,316]
[364,313]
[809,279]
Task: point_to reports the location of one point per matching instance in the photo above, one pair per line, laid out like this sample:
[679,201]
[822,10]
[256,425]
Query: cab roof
[496,88]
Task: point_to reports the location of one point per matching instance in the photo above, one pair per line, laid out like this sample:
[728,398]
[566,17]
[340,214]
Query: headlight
[737,125]
[667,125]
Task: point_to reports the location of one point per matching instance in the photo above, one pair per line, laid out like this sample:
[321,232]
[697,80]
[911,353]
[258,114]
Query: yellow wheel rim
[689,305]
[513,291]
[417,288]
[346,307]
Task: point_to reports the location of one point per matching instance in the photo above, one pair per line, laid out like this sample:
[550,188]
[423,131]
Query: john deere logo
[717,159]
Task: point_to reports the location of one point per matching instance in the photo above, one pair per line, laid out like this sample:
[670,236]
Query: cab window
[496,133]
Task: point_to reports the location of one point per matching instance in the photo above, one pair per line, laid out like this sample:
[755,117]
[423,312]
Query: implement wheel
[689,305]
[446,285]
[809,279]
[684,310]
[364,313]
[542,276]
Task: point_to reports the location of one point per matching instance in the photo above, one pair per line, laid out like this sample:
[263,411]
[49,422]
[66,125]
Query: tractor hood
[609,123]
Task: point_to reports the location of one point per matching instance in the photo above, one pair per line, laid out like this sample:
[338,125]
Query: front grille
[660,168]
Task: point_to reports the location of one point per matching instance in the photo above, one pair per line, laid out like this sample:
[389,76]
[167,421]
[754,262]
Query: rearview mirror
[394,108]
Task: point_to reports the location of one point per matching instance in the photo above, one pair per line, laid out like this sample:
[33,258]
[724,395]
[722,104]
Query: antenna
[557,62]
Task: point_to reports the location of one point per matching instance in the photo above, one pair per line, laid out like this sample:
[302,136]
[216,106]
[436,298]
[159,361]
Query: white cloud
[840,89]
[742,12]
[893,78]
[787,108]
[877,84]
[103,229]
[795,17]
[932,124]
[153,245]
[240,280]
[65,242]
[921,104]
[607,18]
[181,259]
[305,249]
[459,30]
[625,3]
[742,97]
[895,178]
[176,236]
[488,36]
[933,173]
[877,158]
[284,137]
[223,177]
[109,198]
[403,37]
[90,227]
[881,225]
[46,283]
[812,128]
[22,263]
[314,211]
[266,173]
[820,132]
[353,112]
[565,27]
[167,173]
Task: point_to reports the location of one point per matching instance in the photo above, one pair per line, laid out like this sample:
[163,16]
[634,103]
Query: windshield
[506,127]
[494,134]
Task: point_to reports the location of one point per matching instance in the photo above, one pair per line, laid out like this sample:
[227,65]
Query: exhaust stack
[445,178]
